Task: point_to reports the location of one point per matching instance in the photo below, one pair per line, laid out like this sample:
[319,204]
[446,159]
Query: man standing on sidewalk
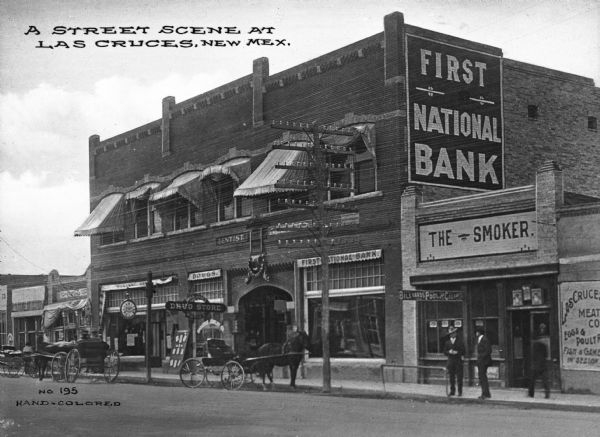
[454,349]
[484,360]
[539,355]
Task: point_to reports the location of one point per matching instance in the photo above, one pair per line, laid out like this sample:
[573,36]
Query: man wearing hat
[454,349]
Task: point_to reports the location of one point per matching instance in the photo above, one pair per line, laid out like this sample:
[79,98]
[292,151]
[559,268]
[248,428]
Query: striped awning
[177,186]
[53,310]
[106,217]
[264,178]
[141,191]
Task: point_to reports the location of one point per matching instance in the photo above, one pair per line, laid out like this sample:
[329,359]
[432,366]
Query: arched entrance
[265,315]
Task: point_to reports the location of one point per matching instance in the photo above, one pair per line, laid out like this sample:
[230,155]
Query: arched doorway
[265,315]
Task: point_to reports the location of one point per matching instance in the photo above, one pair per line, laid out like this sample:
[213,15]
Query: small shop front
[69,317]
[514,312]
[123,321]
[26,312]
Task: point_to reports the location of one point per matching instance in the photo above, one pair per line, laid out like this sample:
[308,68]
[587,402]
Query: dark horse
[289,354]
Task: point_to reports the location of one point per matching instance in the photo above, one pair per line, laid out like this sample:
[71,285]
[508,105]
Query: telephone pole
[149,293]
[318,184]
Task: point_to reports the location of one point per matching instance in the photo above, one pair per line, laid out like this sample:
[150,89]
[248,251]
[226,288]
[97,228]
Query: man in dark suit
[539,355]
[484,360]
[454,349]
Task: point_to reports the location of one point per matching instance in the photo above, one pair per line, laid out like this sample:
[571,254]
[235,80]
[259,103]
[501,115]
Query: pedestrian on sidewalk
[484,360]
[454,349]
[539,366]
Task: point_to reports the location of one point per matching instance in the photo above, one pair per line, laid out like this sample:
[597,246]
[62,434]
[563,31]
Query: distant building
[193,196]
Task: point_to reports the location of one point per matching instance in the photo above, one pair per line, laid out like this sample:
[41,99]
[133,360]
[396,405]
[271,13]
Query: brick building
[192,196]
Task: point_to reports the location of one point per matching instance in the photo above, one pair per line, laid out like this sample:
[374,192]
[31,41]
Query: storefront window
[210,289]
[347,275]
[484,312]
[162,294]
[438,317]
[357,326]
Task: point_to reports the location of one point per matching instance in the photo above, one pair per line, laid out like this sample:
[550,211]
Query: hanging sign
[195,306]
[3,297]
[128,309]
[454,115]
[178,351]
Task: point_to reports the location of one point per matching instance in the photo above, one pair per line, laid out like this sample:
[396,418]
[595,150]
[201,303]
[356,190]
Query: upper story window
[593,123]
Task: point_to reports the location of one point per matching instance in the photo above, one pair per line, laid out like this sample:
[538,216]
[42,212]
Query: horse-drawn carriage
[233,370]
[64,361]
[13,362]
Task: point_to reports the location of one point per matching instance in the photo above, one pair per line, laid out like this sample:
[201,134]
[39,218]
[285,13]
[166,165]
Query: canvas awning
[53,310]
[106,217]
[141,191]
[264,178]
[179,185]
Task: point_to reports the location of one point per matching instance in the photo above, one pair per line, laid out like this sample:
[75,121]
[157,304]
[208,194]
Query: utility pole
[318,184]
[149,293]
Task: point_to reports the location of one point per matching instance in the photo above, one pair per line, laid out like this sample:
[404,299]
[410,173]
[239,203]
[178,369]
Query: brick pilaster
[260,74]
[167,105]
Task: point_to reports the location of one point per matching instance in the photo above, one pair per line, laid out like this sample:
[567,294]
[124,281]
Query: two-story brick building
[193,196]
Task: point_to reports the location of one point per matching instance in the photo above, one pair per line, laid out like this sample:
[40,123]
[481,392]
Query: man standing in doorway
[484,360]
[454,349]
[539,356]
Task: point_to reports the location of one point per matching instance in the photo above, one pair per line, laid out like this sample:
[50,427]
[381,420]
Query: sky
[59,86]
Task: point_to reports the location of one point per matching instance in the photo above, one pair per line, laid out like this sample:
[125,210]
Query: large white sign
[3,297]
[580,325]
[28,294]
[480,236]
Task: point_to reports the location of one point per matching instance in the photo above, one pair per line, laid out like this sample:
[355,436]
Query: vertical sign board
[454,101]
[580,325]
[178,351]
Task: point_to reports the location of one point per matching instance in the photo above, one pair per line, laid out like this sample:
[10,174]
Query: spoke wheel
[192,373]
[111,366]
[31,368]
[232,376]
[58,365]
[73,365]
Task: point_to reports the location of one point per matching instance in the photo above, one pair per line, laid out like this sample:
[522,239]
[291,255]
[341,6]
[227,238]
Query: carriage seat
[218,349]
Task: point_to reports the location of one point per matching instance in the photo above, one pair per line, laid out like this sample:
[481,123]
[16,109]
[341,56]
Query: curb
[372,394]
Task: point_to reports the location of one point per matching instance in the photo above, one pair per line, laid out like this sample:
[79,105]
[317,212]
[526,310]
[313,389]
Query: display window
[357,326]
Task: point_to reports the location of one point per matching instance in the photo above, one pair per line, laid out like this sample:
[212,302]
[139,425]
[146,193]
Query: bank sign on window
[454,115]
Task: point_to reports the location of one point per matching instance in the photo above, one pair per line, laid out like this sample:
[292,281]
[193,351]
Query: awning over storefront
[264,178]
[106,217]
[186,185]
[52,311]
[141,191]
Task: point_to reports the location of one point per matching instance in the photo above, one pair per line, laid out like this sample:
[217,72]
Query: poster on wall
[580,325]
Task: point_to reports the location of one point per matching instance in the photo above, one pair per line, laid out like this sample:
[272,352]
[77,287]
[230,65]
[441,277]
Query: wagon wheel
[232,376]
[73,365]
[192,373]
[59,361]
[30,367]
[14,368]
[111,366]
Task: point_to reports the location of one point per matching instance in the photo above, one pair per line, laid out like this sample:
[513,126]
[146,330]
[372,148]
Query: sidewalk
[424,392]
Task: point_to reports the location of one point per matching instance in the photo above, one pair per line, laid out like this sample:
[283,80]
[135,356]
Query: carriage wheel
[14,368]
[232,376]
[111,366]
[59,361]
[31,368]
[192,373]
[72,366]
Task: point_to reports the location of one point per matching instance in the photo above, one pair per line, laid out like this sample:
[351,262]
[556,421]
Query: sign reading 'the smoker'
[480,236]
[454,115]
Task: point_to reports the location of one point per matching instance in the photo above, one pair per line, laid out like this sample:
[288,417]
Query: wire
[23,257]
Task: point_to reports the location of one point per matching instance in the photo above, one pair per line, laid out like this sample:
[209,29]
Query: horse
[289,354]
